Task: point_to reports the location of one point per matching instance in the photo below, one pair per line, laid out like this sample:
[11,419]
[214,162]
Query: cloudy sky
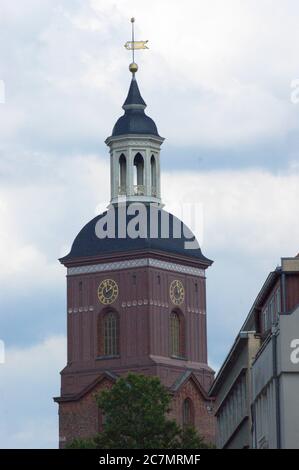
[220,80]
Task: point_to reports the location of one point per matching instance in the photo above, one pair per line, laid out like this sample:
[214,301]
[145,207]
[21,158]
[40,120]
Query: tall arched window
[176,335]
[122,174]
[153,176]
[139,174]
[187,412]
[108,334]
[111,334]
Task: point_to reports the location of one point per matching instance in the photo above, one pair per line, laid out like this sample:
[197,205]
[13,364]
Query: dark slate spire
[134,98]
[134,121]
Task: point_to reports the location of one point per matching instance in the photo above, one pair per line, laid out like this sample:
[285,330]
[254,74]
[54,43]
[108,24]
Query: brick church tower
[136,291]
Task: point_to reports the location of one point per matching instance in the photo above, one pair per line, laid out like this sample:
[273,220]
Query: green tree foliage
[189,439]
[135,411]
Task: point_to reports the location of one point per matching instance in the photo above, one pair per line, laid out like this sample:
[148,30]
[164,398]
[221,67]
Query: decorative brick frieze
[136,263]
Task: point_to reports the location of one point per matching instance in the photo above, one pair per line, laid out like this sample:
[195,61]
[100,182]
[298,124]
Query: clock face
[177,292]
[108,291]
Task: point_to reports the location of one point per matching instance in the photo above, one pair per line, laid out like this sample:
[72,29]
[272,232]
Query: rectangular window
[273,309]
[278,303]
[265,319]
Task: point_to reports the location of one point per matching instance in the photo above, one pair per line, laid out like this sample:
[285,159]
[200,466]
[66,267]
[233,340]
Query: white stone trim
[155,263]
[138,139]
[89,308]
[135,303]
[137,263]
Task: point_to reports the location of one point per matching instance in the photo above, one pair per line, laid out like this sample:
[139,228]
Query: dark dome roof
[151,220]
[134,121]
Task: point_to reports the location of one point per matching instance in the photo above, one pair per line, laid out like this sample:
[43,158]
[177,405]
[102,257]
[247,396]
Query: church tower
[136,290]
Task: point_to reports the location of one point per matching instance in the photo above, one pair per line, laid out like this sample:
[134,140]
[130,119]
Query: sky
[221,81]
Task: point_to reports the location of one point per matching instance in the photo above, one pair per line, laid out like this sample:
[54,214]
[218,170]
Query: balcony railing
[139,190]
[154,191]
[122,190]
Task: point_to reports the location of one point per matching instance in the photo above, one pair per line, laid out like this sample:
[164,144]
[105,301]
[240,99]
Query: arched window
[139,174]
[176,335]
[108,332]
[122,174]
[187,412]
[153,176]
[111,334]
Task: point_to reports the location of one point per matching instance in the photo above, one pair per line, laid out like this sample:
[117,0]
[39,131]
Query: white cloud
[253,208]
[20,261]
[225,75]
[249,223]
[224,69]
[34,213]
[28,381]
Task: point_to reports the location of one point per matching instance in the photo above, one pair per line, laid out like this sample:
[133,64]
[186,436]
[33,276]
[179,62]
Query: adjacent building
[232,391]
[256,390]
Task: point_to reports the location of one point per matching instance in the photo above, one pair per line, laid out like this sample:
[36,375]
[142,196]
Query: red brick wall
[144,308]
[82,419]
[204,420]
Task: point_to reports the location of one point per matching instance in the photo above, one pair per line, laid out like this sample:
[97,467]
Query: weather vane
[134,45]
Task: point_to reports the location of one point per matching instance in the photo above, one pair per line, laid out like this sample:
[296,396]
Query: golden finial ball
[133,67]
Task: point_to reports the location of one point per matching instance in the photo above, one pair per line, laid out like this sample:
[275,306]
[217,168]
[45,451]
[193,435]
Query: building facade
[136,291]
[257,388]
[232,391]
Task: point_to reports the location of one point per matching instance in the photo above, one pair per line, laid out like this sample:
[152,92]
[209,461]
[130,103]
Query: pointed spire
[134,99]
[134,121]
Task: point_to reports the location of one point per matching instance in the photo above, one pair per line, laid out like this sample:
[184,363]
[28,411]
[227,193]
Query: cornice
[134,139]
[135,263]
[136,254]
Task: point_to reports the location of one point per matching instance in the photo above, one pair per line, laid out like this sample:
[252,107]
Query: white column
[116,174]
[147,148]
[158,175]
[147,172]
[130,169]
[111,174]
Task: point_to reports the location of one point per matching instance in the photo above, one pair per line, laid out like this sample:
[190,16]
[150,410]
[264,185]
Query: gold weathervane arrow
[130,45]
[133,46]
